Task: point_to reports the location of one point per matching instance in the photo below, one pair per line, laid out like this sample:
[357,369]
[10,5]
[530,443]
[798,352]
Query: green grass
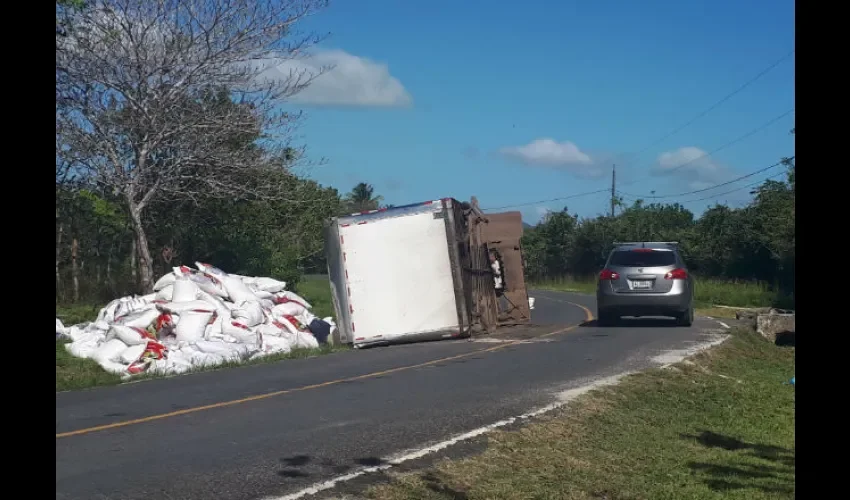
[317,290]
[565,285]
[717,312]
[74,314]
[736,294]
[74,373]
[708,292]
[78,373]
[718,427]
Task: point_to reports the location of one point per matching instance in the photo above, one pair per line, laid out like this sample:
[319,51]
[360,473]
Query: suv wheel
[686,318]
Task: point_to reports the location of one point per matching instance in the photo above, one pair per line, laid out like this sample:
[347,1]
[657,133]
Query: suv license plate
[641,285]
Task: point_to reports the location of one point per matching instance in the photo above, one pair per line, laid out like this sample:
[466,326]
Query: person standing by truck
[496,265]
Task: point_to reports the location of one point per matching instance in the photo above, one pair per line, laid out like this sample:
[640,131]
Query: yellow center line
[588,314]
[268,395]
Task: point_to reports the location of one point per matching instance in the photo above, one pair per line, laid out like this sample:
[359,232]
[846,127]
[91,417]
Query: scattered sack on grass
[197,317]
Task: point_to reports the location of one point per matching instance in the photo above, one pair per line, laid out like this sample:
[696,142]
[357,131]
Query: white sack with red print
[196,317]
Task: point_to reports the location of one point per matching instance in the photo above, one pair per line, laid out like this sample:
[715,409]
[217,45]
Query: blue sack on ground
[320,329]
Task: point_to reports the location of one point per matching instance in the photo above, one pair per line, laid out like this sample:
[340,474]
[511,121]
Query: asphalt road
[269,430]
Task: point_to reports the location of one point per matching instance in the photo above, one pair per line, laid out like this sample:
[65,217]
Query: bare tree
[179,99]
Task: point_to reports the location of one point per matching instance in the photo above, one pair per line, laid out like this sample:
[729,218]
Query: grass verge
[719,426]
[74,373]
[707,292]
[717,312]
[317,290]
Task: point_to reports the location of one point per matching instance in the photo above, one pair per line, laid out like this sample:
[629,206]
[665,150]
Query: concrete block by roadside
[775,323]
[750,313]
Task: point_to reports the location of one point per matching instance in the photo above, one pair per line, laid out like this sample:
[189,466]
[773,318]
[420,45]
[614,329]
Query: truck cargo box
[396,274]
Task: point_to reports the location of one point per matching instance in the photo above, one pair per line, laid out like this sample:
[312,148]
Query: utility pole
[613,188]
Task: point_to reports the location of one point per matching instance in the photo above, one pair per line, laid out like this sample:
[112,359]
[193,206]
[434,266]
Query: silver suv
[645,279]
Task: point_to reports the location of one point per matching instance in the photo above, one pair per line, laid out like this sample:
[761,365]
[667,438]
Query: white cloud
[693,166]
[350,81]
[550,153]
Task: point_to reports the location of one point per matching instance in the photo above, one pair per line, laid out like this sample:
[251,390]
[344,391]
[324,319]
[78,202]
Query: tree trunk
[58,259]
[109,263]
[98,264]
[134,268]
[75,268]
[144,252]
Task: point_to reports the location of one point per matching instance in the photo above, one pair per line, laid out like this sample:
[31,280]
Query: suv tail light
[676,274]
[608,274]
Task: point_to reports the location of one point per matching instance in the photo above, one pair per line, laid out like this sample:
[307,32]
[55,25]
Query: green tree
[756,241]
[592,244]
[92,249]
[362,198]
[558,232]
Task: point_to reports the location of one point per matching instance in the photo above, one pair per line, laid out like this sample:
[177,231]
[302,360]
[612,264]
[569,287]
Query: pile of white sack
[197,317]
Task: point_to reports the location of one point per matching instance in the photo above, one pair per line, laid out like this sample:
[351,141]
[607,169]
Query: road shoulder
[597,444]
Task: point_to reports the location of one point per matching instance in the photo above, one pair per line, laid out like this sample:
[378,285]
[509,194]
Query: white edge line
[413,455]
[724,325]
[563,399]
[670,358]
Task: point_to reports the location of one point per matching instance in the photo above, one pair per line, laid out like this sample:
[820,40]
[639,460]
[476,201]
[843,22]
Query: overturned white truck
[423,272]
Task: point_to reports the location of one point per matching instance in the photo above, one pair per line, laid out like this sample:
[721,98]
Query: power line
[604,190]
[677,167]
[597,191]
[677,130]
[715,196]
[756,183]
[717,104]
[720,148]
[756,172]
[745,176]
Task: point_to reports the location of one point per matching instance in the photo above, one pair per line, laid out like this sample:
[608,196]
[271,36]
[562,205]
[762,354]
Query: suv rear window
[628,258]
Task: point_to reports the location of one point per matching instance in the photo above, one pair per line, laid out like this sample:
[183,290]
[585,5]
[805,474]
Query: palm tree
[361,198]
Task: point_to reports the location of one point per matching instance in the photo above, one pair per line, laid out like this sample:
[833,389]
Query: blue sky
[519,102]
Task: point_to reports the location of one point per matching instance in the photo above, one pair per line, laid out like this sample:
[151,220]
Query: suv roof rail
[645,243]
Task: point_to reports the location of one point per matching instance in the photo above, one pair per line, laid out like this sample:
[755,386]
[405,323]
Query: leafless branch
[181,98]
[131,72]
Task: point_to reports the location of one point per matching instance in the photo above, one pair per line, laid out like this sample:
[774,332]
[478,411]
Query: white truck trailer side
[396,274]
